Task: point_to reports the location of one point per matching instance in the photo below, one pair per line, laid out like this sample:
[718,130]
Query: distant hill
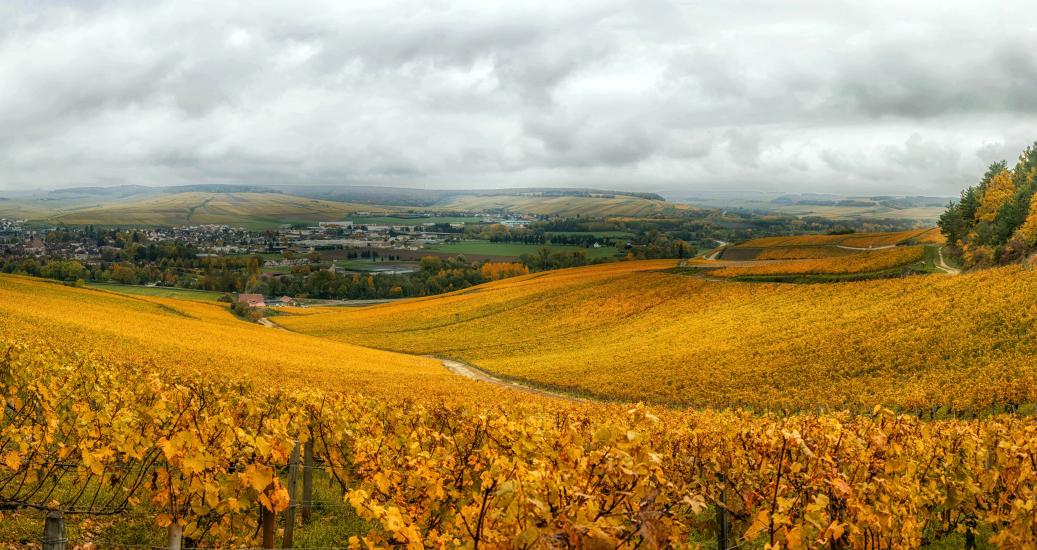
[219,188]
[267,206]
[558,204]
[403,196]
[898,203]
[115,192]
[252,210]
[921,209]
[399,196]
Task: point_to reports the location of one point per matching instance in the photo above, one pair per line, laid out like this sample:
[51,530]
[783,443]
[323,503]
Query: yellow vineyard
[856,262]
[801,252]
[629,331]
[852,240]
[200,456]
[193,337]
[183,419]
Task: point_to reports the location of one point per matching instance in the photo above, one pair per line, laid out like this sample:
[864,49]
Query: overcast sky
[906,97]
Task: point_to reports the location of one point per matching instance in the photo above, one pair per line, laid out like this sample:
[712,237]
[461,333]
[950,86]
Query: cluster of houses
[411,233]
[257,300]
[20,239]
[346,234]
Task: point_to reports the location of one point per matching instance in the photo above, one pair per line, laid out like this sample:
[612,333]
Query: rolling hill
[194,337]
[176,419]
[264,207]
[635,331]
[565,205]
[250,210]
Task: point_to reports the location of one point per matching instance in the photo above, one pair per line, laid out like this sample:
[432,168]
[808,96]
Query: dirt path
[883,247]
[942,265]
[719,250]
[473,373]
[468,371]
[268,323]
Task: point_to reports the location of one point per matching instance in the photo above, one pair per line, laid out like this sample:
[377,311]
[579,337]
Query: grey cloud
[744,147]
[861,96]
[994,152]
[919,154]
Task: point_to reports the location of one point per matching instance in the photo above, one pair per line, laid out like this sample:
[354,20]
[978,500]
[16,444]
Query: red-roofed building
[253,300]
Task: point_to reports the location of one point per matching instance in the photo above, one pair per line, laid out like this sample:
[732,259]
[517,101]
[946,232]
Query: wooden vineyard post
[54,531]
[269,527]
[307,481]
[723,529]
[289,517]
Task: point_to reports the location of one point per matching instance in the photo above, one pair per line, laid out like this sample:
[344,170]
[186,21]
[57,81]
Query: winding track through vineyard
[467,371]
[474,373]
[942,265]
[866,248]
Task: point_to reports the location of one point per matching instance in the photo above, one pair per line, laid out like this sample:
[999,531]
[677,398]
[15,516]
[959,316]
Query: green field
[264,255]
[514,250]
[397,220]
[375,266]
[159,291]
[598,234]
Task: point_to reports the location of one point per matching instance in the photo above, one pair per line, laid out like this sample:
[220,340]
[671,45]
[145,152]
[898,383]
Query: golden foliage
[801,252]
[861,262]
[178,411]
[427,474]
[999,191]
[502,270]
[932,236]
[187,336]
[1028,231]
[626,331]
[853,240]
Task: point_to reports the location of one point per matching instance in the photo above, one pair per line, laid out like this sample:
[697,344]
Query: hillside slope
[567,206]
[195,418]
[629,331]
[254,210]
[195,337]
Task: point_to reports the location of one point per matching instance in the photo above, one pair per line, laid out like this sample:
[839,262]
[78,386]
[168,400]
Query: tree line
[995,221]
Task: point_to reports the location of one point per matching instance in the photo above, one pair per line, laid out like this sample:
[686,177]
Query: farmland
[413,220]
[857,262]
[158,407]
[827,258]
[392,430]
[849,240]
[159,291]
[250,210]
[194,336]
[514,250]
[567,206]
[173,343]
[632,331]
[599,234]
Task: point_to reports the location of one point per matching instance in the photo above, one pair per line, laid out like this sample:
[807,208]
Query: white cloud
[816,96]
